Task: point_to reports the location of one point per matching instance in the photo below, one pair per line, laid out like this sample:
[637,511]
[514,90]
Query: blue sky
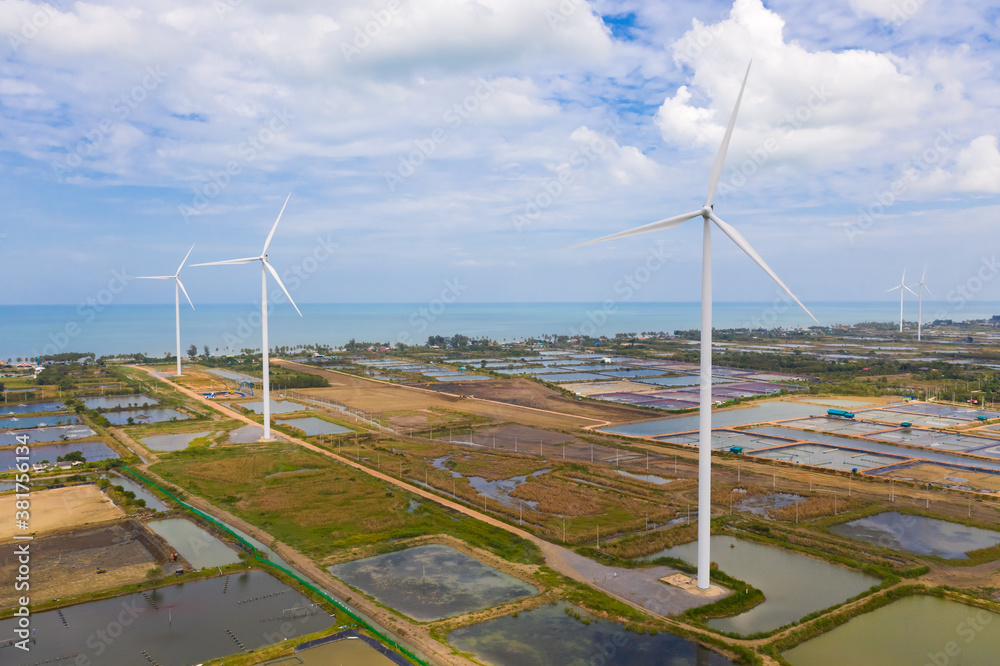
[449,140]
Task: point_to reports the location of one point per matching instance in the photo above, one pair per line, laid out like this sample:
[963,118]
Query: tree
[193,350]
[207,352]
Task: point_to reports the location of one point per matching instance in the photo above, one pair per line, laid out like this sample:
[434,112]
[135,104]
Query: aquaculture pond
[432,582]
[650,478]
[277,406]
[116,401]
[548,635]
[174,442]
[91,451]
[49,434]
[194,543]
[152,501]
[140,416]
[918,534]
[31,408]
[917,630]
[36,421]
[171,626]
[313,425]
[795,585]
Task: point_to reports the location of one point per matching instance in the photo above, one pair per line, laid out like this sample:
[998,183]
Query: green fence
[250,548]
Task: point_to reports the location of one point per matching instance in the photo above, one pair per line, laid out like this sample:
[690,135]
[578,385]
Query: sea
[29,331]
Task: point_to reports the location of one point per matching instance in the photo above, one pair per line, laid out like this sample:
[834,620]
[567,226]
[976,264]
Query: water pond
[651,478]
[918,534]
[198,547]
[31,408]
[50,434]
[36,421]
[548,635]
[116,401]
[432,582]
[152,501]
[174,442]
[91,451]
[140,416]
[795,585]
[315,426]
[277,406]
[916,630]
[175,626]
[759,505]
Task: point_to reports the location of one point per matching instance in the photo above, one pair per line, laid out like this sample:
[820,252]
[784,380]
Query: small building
[842,413]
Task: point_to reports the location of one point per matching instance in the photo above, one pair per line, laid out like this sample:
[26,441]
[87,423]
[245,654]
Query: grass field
[322,507]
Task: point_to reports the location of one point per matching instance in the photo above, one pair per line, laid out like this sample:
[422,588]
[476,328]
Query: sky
[450,142]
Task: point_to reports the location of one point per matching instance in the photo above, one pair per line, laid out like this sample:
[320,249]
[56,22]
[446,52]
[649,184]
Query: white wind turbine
[265,268]
[707,213]
[901,286]
[920,302]
[178,287]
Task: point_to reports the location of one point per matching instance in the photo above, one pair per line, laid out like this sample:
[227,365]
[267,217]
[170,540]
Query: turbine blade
[181,285]
[277,279]
[245,260]
[652,226]
[720,157]
[742,243]
[927,288]
[923,275]
[154,277]
[893,288]
[909,290]
[184,260]
[267,243]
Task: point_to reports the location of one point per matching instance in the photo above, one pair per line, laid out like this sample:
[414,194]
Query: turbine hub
[706,211]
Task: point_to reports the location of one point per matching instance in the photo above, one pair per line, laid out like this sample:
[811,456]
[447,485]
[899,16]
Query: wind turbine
[178,287]
[265,268]
[901,286]
[708,215]
[920,301]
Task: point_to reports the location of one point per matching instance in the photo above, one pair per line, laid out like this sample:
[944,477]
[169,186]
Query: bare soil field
[59,508]
[65,564]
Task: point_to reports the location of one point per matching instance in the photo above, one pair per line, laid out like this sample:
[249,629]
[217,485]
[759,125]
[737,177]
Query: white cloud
[975,170]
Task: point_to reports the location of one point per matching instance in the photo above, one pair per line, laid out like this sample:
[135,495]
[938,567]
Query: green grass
[323,511]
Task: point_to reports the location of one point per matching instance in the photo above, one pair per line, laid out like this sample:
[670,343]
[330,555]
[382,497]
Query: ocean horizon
[31,330]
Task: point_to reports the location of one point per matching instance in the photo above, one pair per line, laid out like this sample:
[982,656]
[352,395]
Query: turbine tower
[920,302]
[265,268]
[178,287]
[708,216]
[901,286]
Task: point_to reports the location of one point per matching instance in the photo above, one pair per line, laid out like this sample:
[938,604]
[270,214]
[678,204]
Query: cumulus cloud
[974,170]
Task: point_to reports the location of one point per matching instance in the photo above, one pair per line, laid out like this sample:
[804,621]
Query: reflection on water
[91,451]
[918,534]
[152,501]
[195,544]
[914,630]
[651,478]
[431,582]
[31,408]
[140,416]
[312,425]
[176,626]
[548,635]
[116,401]
[36,421]
[795,585]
